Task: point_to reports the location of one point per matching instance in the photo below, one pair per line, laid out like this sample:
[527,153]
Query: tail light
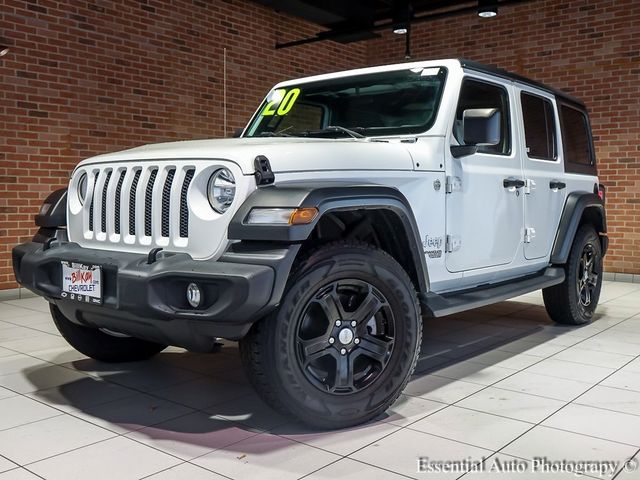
[601,191]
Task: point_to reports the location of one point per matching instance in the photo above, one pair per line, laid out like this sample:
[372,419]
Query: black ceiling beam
[331,34]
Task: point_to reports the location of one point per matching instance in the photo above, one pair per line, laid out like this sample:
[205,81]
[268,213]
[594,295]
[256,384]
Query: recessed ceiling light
[487,8]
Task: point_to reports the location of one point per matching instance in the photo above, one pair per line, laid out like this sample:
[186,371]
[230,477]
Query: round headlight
[82,187]
[221,190]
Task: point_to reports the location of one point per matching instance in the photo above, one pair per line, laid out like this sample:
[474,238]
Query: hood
[285,154]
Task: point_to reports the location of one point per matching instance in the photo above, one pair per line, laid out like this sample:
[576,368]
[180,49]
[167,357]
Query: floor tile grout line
[71,449]
[32,422]
[186,462]
[358,461]
[622,389]
[10,461]
[622,469]
[487,413]
[409,427]
[619,442]
[30,471]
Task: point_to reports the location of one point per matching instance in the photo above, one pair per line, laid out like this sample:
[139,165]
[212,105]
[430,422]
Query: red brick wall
[87,77]
[590,48]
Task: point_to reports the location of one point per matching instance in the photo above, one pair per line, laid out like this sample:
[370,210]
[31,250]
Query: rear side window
[576,138]
[539,126]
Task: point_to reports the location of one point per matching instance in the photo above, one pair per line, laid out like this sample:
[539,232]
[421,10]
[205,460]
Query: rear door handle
[513,183]
[557,185]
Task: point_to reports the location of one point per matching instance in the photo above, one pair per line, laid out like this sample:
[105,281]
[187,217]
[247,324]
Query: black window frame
[508,123]
[575,167]
[549,103]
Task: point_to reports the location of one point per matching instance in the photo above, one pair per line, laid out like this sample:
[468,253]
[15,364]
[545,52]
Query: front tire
[344,341]
[574,301]
[102,346]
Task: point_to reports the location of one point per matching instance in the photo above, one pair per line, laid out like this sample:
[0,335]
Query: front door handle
[513,183]
[557,185]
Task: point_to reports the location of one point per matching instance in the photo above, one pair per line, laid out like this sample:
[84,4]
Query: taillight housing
[601,191]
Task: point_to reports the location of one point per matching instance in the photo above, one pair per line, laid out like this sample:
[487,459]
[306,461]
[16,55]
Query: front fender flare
[327,197]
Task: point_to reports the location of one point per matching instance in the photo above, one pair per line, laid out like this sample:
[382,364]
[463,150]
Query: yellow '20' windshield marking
[283,99]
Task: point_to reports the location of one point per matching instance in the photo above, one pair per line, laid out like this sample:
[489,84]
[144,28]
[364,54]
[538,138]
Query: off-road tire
[101,346]
[270,350]
[563,301]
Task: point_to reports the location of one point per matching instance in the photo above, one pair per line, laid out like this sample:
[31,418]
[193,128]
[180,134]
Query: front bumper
[149,300]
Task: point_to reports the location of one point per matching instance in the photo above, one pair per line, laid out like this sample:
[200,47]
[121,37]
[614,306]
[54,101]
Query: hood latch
[264,174]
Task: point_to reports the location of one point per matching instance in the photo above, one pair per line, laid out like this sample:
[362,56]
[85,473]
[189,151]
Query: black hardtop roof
[499,72]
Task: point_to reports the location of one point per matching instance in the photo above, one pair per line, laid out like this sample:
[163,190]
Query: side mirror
[481,126]
[237,133]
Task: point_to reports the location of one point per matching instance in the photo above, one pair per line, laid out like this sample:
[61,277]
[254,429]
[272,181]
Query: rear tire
[574,301]
[101,346]
[344,341]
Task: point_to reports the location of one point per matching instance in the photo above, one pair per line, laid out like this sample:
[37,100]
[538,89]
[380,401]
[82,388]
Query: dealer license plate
[82,283]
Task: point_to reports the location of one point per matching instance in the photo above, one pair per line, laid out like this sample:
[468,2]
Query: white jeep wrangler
[353,205]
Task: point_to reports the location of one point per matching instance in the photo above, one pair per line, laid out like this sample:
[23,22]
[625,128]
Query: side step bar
[446,304]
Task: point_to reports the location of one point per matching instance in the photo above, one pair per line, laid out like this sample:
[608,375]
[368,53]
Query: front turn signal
[303,216]
[281,216]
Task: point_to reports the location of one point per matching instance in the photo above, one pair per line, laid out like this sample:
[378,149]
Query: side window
[539,126]
[478,94]
[576,139]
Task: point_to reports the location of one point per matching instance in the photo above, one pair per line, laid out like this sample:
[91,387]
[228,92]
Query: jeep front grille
[142,192]
[136,205]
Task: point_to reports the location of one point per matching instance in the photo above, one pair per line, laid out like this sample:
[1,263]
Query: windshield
[377,104]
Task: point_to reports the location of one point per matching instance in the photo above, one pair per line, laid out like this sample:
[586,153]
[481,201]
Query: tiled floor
[501,384]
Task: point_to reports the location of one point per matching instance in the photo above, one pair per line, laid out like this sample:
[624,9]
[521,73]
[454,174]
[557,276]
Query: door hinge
[529,186]
[453,243]
[529,234]
[452,184]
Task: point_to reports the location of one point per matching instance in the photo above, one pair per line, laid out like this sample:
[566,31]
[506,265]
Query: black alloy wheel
[587,277]
[345,336]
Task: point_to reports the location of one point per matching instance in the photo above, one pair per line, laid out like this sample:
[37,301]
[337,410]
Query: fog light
[193,295]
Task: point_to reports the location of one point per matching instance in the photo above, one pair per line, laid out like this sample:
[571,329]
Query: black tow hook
[153,255]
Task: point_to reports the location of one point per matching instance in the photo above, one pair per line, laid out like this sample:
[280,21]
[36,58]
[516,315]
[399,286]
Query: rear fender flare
[576,205]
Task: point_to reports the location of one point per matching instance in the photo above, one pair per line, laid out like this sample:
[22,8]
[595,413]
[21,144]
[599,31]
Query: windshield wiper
[353,133]
[274,134]
[333,128]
